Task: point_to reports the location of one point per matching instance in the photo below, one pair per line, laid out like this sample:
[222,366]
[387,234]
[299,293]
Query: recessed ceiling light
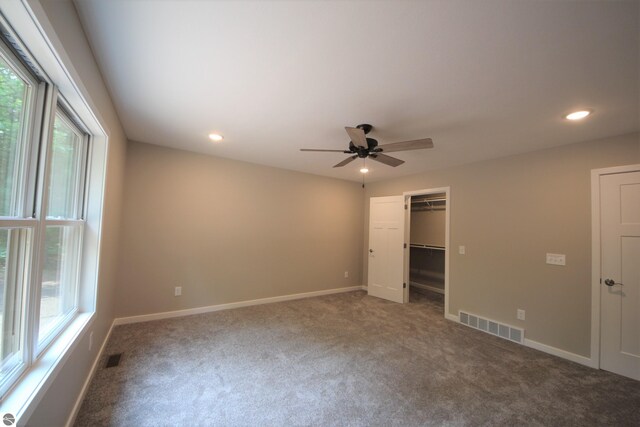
[577,115]
[364,170]
[215,137]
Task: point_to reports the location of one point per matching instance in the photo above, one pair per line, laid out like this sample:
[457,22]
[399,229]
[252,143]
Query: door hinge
[404,286]
[405,207]
[601,280]
[405,246]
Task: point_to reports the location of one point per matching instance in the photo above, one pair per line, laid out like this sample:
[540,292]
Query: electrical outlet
[178,291]
[346,274]
[520,314]
[462,250]
[91,341]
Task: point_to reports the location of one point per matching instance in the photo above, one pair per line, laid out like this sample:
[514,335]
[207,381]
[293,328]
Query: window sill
[25,396]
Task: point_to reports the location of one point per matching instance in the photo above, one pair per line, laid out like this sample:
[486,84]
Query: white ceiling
[484,79]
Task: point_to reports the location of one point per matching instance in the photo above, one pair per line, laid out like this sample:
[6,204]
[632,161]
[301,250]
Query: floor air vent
[491,327]
[113,360]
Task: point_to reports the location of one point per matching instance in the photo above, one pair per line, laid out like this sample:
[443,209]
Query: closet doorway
[427,254]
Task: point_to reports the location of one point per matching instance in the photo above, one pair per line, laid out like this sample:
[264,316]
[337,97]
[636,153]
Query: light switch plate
[556,259]
[461,250]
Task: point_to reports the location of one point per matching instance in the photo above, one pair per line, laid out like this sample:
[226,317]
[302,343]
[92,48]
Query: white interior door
[620,288]
[386,248]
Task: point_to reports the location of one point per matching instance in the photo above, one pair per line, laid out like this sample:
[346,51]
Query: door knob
[371,250]
[611,282]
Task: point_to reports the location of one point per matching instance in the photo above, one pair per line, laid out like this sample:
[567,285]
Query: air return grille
[113,360]
[492,327]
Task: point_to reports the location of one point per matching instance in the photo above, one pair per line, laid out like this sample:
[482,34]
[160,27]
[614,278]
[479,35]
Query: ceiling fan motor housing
[368,147]
[364,152]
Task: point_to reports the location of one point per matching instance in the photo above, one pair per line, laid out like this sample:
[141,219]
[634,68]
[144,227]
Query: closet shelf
[434,287]
[419,245]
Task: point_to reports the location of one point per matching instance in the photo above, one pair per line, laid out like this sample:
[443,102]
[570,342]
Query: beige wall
[230,231]
[428,227]
[508,213]
[69,39]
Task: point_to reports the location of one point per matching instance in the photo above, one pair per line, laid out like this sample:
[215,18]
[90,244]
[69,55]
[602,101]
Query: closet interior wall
[427,242]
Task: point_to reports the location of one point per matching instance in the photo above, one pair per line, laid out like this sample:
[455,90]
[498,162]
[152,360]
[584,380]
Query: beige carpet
[343,360]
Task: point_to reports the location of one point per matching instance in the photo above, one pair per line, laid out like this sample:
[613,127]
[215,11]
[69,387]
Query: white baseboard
[586,361]
[85,387]
[452,317]
[218,307]
[583,360]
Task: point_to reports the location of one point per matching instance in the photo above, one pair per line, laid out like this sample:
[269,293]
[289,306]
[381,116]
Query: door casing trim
[447,255]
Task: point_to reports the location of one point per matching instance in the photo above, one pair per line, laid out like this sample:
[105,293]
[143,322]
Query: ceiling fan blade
[328,151]
[357,136]
[407,145]
[346,161]
[387,160]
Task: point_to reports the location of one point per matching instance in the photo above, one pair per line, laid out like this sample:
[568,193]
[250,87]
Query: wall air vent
[492,327]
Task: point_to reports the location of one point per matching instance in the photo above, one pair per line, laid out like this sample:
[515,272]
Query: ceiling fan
[363,147]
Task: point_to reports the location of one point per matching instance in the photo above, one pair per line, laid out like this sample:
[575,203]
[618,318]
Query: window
[63,226]
[17,95]
[43,169]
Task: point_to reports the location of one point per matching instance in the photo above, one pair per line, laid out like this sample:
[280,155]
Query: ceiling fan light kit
[362,147]
[364,168]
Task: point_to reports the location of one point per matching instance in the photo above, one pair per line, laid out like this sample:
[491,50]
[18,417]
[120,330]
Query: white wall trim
[85,387]
[453,317]
[595,267]
[583,360]
[228,306]
[595,255]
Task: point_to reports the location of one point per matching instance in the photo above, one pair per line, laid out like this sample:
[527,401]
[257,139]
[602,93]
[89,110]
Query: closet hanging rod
[428,200]
[418,245]
[428,210]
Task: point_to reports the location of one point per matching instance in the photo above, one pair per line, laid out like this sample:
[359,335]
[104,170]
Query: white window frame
[44,221]
[29,27]
[21,363]
[23,215]
[29,154]
[32,213]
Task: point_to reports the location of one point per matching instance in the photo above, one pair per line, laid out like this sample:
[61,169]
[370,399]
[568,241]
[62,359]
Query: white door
[386,248]
[620,288]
